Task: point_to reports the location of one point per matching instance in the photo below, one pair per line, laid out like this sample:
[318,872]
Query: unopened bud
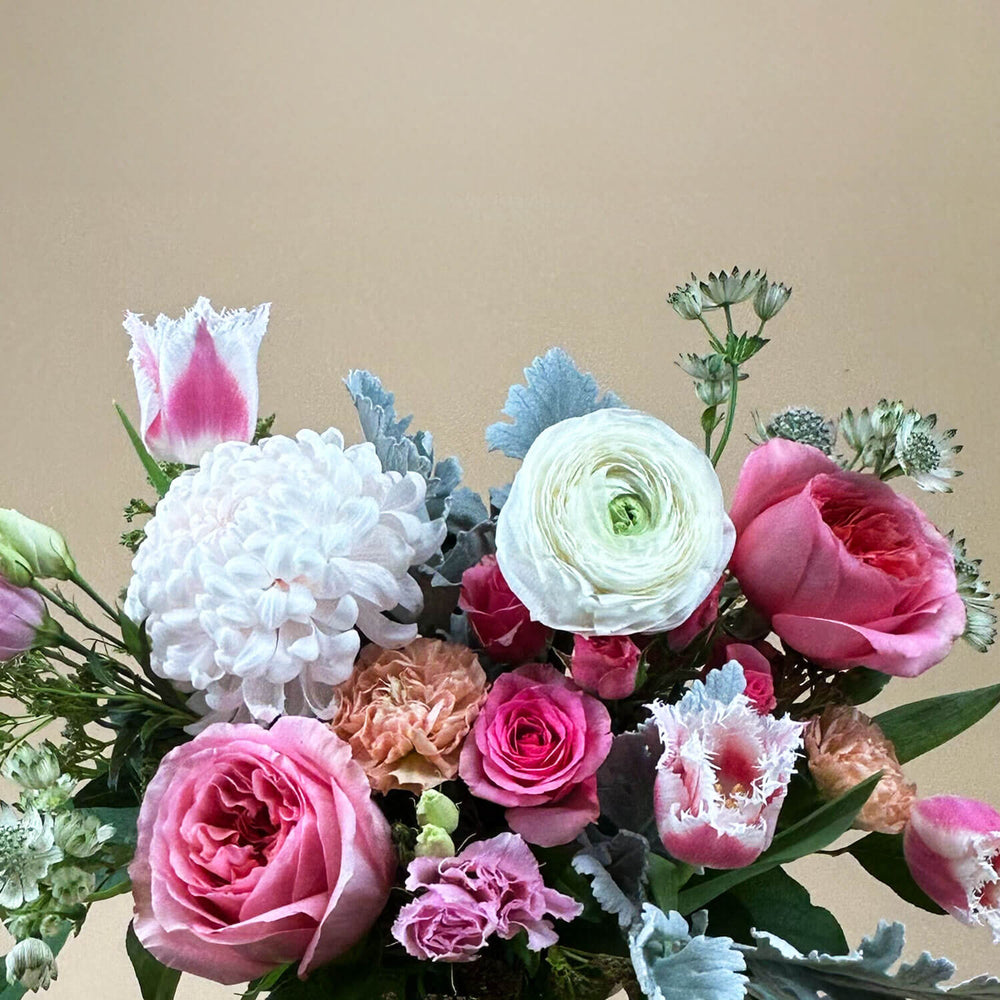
[433,842]
[435,809]
[31,964]
[41,548]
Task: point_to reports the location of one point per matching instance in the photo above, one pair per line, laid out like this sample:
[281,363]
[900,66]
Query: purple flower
[21,614]
[446,924]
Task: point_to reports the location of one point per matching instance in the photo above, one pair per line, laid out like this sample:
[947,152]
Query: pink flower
[536,748]
[704,615]
[722,778]
[850,573]
[493,886]
[196,378]
[756,671]
[502,623]
[952,847]
[258,847]
[21,614]
[605,665]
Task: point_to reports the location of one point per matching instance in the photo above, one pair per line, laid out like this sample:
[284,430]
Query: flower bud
[81,834]
[32,767]
[844,747]
[686,301]
[433,842]
[952,848]
[436,809]
[50,925]
[71,885]
[769,299]
[41,548]
[22,613]
[13,568]
[31,964]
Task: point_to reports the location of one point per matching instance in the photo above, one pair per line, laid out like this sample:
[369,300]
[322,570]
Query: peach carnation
[405,712]
[844,747]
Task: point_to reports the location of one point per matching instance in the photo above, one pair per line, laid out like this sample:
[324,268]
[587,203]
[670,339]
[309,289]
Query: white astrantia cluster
[260,568]
[615,524]
[27,851]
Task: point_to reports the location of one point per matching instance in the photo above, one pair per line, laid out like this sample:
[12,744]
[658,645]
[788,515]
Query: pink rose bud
[952,847]
[605,665]
[21,614]
[503,624]
[756,669]
[196,378]
[704,615]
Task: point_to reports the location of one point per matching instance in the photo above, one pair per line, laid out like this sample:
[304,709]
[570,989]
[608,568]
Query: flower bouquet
[354,731]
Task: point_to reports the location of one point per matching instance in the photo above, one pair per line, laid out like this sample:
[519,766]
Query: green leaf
[776,901]
[156,981]
[124,821]
[159,479]
[263,984]
[861,684]
[809,835]
[665,881]
[134,637]
[117,883]
[881,855]
[923,725]
[56,942]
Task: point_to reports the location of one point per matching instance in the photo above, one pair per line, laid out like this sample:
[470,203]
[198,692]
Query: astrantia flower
[260,566]
[925,454]
[727,289]
[723,774]
[27,851]
[980,602]
[799,423]
[615,524]
[31,964]
[686,300]
[769,299]
[406,712]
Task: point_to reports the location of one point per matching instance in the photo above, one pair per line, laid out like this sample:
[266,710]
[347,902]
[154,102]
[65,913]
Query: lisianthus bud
[22,612]
[13,569]
[32,767]
[434,842]
[81,834]
[436,809]
[41,549]
[844,747]
[952,848]
[31,964]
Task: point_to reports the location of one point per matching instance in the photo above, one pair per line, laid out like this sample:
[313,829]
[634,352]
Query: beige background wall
[441,191]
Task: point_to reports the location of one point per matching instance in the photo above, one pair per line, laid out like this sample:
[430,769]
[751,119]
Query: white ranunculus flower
[615,524]
[261,567]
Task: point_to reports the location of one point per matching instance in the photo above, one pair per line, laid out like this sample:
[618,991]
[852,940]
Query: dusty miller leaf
[618,868]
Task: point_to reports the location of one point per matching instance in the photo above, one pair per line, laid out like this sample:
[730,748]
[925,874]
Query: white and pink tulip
[196,378]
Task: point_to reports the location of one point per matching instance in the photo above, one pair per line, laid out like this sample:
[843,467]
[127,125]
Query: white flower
[260,565]
[925,453]
[615,524]
[27,851]
[31,964]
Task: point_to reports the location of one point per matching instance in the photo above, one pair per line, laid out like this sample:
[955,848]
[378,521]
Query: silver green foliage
[799,423]
[780,972]
[618,869]
[555,390]
[673,961]
[980,601]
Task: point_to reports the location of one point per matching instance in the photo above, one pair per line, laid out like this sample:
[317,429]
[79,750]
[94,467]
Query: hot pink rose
[605,665]
[258,847]
[503,624]
[702,616]
[536,748]
[756,669]
[850,573]
[21,614]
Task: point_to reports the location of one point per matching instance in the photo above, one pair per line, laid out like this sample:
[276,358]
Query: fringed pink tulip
[722,778]
[952,847]
[196,378]
[21,615]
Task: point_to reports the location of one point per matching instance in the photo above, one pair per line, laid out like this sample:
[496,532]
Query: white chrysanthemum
[615,524]
[261,565]
[27,851]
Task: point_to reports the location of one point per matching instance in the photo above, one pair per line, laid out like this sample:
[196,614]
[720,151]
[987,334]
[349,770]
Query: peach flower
[844,747]
[405,712]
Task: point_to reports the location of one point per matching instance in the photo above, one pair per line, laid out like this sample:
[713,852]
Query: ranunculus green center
[629,515]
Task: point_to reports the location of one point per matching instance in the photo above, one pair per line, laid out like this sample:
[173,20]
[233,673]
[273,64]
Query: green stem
[73,611]
[734,371]
[111,612]
[712,339]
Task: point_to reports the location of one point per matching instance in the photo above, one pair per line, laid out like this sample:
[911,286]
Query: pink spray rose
[704,615]
[258,847]
[756,671]
[536,748]
[196,378]
[605,665]
[493,887]
[502,623]
[952,848]
[723,775]
[21,614]
[850,573]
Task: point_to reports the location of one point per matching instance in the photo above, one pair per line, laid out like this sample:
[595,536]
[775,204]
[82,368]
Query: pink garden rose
[258,847]
[21,614]
[196,378]
[756,670]
[536,748]
[493,887]
[702,616]
[849,572]
[502,623]
[605,665]
[952,848]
